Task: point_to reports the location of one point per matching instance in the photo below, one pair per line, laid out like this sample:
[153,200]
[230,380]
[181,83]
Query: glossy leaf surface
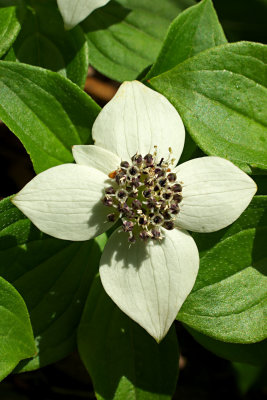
[194,30]
[125,36]
[47,112]
[221,96]
[228,301]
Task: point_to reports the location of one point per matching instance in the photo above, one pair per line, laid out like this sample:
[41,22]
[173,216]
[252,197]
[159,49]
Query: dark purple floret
[149,159]
[136,204]
[110,190]
[169,225]
[133,171]
[177,197]
[127,226]
[156,233]
[125,164]
[144,235]
[111,217]
[145,195]
[107,201]
[172,177]
[177,188]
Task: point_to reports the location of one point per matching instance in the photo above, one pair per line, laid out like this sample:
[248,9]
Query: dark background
[203,376]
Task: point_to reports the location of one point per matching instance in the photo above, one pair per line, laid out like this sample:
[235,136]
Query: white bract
[75,11]
[150,262]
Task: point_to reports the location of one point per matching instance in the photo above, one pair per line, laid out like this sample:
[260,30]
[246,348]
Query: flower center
[145,194]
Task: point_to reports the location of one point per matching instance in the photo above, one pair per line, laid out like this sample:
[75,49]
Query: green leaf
[11,16]
[221,96]
[229,298]
[53,276]
[125,36]
[194,30]
[44,42]
[124,362]
[254,217]
[254,353]
[16,338]
[47,112]
[246,376]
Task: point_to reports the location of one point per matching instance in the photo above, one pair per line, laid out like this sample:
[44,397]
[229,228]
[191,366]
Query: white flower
[150,264]
[75,11]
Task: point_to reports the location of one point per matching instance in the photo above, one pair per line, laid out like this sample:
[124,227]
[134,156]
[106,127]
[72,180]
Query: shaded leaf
[246,376]
[122,359]
[254,353]
[54,278]
[44,42]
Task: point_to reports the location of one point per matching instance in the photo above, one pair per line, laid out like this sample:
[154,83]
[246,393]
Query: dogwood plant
[75,11]
[150,262]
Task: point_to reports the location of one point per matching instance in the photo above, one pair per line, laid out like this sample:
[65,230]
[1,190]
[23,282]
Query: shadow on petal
[98,218]
[120,250]
[99,214]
